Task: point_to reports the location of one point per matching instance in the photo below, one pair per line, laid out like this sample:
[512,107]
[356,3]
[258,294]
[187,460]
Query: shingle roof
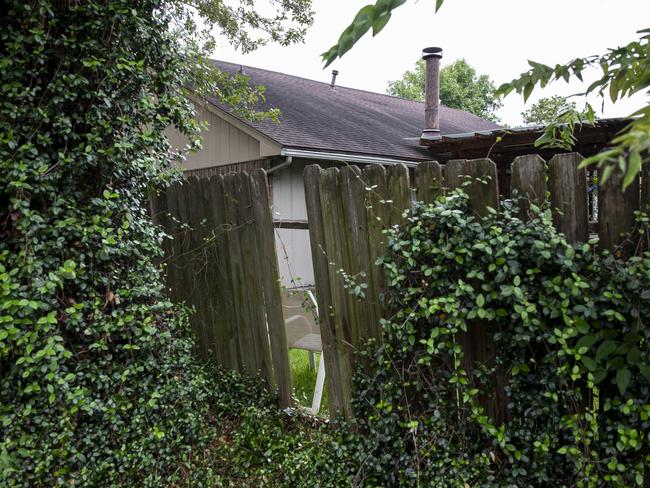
[318,117]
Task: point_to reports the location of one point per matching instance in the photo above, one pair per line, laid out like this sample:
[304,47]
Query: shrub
[570,358]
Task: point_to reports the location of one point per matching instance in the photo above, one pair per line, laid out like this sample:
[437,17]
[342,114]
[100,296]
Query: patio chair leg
[312,365]
[320,383]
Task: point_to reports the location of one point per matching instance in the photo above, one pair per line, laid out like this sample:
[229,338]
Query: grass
[304,379]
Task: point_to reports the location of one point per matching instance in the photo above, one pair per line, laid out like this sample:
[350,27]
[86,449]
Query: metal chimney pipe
[432,56]
[334,73]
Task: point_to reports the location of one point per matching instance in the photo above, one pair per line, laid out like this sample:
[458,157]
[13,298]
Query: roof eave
[345,157]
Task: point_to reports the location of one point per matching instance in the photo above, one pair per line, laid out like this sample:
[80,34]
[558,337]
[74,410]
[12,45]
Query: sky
[496,37]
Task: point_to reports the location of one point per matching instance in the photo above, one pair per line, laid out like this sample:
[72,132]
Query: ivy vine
[561,397]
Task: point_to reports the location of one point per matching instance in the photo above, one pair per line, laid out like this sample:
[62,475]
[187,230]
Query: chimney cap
[431,52]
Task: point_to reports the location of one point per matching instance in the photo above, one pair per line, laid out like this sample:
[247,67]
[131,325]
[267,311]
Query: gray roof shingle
[318,117]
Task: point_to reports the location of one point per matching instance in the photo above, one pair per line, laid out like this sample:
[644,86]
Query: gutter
[344,157]
[287,162]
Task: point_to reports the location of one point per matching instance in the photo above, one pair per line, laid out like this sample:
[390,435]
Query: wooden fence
[349,209]
[221,260]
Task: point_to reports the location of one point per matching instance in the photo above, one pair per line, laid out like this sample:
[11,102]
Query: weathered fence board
[428,181]
[478,177]
[616,209]
[338,396]
[400,192]
[335,247]
[270,283]
[377,217]
[528,181]
[349,210]
[568,186]
[221,261]
[357,227]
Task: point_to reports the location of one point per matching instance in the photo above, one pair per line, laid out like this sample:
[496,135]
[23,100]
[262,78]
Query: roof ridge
[321,82]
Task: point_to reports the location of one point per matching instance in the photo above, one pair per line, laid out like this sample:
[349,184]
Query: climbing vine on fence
[563,398]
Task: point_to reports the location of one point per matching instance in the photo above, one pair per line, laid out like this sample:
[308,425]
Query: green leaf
[607,172]
[528,90]
[439,4]
[644,369]
[605,349]
[587,341]
[379,23]
[581,325]
[623,377]
[589,363]
[633,167]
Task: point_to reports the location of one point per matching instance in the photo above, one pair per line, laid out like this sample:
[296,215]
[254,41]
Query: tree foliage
[460,87]
[624,71]
[547,110]
[567,324]
[98,383]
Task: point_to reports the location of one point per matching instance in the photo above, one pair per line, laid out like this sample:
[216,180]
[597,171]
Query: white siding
[292,245]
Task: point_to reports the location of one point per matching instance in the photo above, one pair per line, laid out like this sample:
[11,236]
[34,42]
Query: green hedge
[98,386]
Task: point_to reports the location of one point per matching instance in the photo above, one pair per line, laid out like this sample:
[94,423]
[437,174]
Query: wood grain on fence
[221,261]
[528,182]
[349,210]
[617,207]
[338,396]
[568,187]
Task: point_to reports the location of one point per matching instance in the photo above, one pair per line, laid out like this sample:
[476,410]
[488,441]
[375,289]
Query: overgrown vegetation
[571,358]
[98,385]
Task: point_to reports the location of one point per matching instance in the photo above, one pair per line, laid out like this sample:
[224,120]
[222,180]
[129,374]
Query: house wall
[226,140]
[292,245]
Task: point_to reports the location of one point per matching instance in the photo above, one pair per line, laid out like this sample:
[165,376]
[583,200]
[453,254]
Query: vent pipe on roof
[431,56]
[334,73]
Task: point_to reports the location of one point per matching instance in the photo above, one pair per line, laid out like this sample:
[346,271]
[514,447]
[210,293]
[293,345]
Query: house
[321,123]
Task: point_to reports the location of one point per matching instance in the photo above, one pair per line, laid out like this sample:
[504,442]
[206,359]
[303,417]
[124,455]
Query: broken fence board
[265,237]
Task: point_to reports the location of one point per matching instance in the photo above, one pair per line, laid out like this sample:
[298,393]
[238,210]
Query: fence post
[568,186]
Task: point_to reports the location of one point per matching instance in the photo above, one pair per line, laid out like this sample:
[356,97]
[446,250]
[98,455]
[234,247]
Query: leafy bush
[98,384]
[571,359]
